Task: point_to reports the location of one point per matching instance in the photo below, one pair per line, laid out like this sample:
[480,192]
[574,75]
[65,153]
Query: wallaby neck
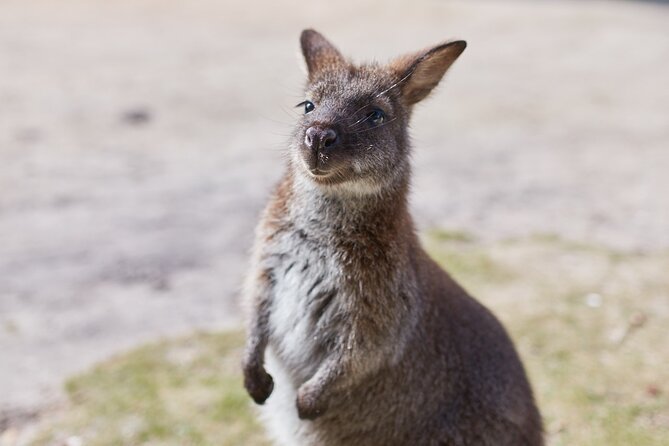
[384,213]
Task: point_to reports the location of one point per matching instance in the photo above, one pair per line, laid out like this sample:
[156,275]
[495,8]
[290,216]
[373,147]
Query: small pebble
[593,300]
[74,441]
[653,390]
[136,116]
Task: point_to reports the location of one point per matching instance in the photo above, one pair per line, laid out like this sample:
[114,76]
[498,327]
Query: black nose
[318,138]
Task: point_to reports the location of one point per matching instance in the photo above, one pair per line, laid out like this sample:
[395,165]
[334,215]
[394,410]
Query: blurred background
[139,140]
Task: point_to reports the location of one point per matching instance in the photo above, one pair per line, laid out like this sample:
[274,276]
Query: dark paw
[258,383]
[310,404]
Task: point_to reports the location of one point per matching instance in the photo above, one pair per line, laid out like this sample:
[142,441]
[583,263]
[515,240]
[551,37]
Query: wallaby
[356,336]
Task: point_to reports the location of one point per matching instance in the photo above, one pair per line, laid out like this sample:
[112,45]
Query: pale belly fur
[301,277]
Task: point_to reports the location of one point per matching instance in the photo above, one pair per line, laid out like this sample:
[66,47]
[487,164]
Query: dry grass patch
[591,325]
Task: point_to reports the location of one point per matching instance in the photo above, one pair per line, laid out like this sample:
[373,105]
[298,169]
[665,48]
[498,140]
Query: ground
[139,139]
[593,346]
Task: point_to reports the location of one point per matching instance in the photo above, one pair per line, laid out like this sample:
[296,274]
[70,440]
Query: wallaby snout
[319,148]
[319,138]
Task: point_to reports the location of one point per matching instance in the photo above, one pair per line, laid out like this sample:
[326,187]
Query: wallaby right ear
[319,53]
[420,72]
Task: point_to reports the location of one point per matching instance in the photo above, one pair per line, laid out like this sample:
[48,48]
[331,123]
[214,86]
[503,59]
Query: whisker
[367,104]
[359,121]
[405,77]
[373,128]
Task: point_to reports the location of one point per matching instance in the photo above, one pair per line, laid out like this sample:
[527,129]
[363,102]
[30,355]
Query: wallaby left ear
[319,53]
[419,73]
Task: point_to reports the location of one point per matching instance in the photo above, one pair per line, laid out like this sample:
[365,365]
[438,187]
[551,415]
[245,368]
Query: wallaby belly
[306,287]
[306,290]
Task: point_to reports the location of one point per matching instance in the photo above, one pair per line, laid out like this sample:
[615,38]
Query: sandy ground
[139,139]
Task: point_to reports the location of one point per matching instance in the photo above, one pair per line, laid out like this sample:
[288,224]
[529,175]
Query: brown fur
[376,344]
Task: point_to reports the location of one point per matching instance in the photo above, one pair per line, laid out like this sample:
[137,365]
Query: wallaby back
[366,340]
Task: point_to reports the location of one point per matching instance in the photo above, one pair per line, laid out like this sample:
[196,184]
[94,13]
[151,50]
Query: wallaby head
[353,135]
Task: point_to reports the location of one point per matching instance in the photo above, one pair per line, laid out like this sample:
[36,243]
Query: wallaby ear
[420,72]
[319,53]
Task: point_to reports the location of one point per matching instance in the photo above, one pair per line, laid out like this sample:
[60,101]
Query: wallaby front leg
[335,373]
[313,395]
[257,381]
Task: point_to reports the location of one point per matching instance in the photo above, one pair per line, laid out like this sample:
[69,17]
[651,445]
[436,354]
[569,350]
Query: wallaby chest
[308,302]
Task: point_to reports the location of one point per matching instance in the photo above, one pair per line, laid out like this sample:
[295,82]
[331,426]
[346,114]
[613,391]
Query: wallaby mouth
[317,171]
[312,164]
[317,163]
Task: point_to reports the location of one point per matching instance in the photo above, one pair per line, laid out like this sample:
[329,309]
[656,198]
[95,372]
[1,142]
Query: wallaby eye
[308,106]
[376,117]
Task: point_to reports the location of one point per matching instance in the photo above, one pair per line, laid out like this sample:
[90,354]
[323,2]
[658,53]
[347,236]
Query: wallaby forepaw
[310,403]
[259,384]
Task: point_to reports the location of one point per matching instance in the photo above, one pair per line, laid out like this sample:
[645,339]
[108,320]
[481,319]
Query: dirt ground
[139,139]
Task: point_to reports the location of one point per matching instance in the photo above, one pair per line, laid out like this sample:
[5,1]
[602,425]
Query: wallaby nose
[320,138]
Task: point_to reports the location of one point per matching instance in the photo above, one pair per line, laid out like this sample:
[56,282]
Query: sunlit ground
[590,324]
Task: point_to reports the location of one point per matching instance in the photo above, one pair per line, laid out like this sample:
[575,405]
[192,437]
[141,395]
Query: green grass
[180,392]
[590,324]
